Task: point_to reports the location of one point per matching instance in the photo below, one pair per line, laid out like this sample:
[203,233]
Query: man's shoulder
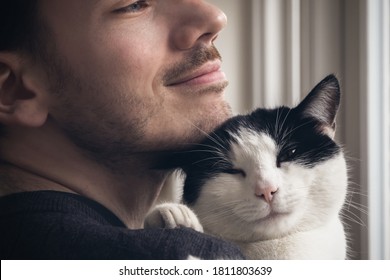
[76,228]
[46,205]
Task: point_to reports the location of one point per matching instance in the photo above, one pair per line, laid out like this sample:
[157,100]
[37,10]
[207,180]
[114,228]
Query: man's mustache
[194,60]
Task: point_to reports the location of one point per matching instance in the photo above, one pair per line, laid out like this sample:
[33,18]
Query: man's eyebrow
[96,2]
[102,2]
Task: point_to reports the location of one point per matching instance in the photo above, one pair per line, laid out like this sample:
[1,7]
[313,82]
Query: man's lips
[209,72]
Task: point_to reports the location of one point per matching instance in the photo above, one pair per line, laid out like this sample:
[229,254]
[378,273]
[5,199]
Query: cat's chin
[274,225]
[272,217]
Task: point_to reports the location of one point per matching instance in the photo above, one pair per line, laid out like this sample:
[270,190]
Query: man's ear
[23,99]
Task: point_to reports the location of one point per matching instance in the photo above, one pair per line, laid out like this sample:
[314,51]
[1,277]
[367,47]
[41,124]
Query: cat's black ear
[322,104]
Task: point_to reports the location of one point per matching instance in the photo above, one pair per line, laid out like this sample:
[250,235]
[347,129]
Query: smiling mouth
[209,73]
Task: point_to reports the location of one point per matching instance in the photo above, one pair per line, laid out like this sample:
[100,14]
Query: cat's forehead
[275,121]
[264,128]
[250,138]
[252,145]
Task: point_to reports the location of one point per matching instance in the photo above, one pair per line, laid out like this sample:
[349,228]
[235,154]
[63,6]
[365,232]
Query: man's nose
[196,22]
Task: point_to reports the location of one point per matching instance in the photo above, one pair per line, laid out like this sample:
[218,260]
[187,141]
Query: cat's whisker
[211,150]
[208,150]
[277,121]
[358,206]
[221,163]
[215,152]
[216,140]
[350,158]
[354,185]
[355,219]
[285,118]
[357,193]
[349,211]
[208,159]
[207,146]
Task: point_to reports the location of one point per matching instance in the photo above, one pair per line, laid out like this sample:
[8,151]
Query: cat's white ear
[322,104]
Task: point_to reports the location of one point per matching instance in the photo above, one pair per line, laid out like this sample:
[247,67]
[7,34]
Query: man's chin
[201,129]
[184,132]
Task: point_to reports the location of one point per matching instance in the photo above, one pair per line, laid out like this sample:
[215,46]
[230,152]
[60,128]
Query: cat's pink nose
[267,193]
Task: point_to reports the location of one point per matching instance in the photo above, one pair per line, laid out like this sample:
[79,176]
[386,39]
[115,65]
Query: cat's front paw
[172,215]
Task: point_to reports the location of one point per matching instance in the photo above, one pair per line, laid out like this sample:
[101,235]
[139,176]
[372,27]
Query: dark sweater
[57,225]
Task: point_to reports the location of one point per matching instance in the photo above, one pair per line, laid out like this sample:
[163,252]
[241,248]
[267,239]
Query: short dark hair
[19,25]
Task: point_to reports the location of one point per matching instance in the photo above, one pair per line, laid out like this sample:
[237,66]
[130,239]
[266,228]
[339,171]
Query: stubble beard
[108,138]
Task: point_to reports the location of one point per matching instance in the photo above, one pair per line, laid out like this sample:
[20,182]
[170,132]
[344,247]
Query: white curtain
[375,85]
[275,51]
[295,43]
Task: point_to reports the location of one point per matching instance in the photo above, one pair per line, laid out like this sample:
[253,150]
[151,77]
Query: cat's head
[272,172]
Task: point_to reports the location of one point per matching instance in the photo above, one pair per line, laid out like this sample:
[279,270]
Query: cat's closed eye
[286,155]
[235,171]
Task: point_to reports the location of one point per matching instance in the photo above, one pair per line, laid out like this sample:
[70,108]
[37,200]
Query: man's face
[134,76]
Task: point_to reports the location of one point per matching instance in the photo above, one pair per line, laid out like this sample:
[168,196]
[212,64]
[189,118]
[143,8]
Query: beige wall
[234,44]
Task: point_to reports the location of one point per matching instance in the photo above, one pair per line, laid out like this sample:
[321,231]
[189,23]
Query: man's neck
[43,159]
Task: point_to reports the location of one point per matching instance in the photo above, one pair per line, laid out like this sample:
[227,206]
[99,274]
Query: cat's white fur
[300,222]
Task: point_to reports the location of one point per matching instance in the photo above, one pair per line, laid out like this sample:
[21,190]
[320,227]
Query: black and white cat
[273,182]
